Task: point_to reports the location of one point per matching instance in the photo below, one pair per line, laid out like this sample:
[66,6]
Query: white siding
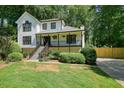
[34,29]
[58,26]
[37,28]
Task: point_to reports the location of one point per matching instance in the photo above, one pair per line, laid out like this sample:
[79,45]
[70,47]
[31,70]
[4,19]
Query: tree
[6,35]
[107,26]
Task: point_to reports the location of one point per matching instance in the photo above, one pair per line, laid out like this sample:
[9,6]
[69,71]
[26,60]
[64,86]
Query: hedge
[90,55]
[54,54]
[15,56]
[14,47]
[75,58]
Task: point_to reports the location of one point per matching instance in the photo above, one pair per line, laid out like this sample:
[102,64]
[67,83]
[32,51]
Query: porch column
[40,39]
[48,41]
[58,41]
[69,42]
[81,39]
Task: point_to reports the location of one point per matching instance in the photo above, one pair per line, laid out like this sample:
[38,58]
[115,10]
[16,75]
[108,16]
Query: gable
[26,16]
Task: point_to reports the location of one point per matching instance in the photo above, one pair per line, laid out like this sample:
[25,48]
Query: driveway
[113,67]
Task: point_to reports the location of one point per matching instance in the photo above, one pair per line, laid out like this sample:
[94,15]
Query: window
[26,40]
[71,39]
[44,26]
[53,25]
[27,26]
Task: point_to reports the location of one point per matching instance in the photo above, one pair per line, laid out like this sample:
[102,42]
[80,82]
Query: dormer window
[27,26]
[53,25]
[44,26]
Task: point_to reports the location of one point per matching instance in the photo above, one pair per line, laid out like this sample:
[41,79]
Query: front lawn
[51,75]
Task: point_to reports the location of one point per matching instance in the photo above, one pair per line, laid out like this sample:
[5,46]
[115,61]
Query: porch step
[36,53]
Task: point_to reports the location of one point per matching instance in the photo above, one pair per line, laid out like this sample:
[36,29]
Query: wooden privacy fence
[110,52]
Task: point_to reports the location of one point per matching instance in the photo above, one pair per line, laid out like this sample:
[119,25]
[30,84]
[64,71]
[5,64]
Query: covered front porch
[61,39]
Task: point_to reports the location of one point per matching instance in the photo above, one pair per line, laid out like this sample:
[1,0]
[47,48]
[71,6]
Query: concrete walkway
[113,67]
[35,56]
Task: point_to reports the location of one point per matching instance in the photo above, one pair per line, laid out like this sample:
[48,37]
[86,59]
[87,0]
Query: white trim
[37,29]
[26,13]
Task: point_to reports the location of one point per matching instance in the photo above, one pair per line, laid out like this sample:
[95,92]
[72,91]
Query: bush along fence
[110,52]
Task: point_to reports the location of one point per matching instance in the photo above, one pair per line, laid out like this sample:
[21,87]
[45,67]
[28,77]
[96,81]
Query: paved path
[113,67]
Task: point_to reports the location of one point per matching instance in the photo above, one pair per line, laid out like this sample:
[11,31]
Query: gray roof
[47,20]
[65,29]
[69,28]
[54,19]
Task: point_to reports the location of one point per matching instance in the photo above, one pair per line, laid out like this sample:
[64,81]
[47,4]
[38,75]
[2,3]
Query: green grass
[76,76]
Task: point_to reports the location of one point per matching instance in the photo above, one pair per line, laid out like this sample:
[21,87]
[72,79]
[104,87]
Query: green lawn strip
[24,75]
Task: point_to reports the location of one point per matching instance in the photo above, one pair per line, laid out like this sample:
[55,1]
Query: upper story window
[53,25]
[27,26]
[44,26]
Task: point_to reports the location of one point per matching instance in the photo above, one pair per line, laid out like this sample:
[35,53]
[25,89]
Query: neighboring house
[33,32]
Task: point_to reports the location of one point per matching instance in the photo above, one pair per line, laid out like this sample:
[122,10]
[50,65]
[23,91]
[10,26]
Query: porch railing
[64,43]
[44,52]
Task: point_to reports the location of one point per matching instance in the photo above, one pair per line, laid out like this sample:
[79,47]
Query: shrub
[75,58]
[14,47]
[90,55]
[43,59]
[8,48]
[26,53]
[15,56]
[54,54]
[89,45]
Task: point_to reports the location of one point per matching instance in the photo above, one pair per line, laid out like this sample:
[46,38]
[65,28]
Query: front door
[47,40]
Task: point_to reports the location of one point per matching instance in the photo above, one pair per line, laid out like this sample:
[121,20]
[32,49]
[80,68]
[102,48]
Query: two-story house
[53,32]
